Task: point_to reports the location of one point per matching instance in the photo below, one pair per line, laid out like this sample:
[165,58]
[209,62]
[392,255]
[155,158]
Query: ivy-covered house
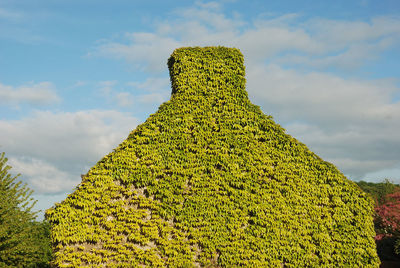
[210,181]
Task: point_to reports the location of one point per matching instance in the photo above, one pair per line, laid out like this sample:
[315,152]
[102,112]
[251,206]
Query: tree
[22,240]
[41,240]
[379,191]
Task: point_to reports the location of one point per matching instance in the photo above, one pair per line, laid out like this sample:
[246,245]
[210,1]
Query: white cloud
[62,145]
[80,84]
[357,150]
[347,44]
[209,5]
[44,177]
[153,98]
[124,99]
[207,16]
[42,93]
[147,51]
[109,90]
[341,33]
[106,87]
[152,84]
[316,42]
[319,42]
[159,88]
[300,95]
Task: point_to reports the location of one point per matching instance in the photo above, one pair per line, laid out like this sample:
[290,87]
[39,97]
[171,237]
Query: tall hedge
[209,180]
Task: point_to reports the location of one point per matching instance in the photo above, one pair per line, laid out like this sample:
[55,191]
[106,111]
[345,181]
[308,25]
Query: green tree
[380,191]
[23,241]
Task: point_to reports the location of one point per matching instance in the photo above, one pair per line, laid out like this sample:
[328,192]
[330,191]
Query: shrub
[387,227]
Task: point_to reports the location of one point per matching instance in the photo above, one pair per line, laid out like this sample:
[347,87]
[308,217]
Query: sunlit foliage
[209,180]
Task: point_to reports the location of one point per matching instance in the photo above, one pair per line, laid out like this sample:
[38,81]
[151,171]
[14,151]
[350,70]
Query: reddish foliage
[387,219]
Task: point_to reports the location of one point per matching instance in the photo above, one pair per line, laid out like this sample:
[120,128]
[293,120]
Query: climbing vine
[209,180]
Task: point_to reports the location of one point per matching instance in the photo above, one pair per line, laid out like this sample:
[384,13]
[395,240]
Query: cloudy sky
[77,76]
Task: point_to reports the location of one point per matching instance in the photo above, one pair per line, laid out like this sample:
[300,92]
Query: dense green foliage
[210,180]
[379,191]
[23,241]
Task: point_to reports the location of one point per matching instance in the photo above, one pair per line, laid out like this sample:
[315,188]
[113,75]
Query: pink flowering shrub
[387,227]
[387,218]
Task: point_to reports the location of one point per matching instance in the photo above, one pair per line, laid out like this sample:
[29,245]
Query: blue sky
[77,76]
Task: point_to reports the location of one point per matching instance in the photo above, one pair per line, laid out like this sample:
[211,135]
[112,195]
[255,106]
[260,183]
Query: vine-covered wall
[209,180]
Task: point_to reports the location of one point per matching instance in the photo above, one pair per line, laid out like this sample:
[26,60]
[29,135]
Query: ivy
[210,180]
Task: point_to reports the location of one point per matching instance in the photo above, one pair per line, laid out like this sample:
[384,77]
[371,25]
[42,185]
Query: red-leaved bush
[387,227]
[387,218]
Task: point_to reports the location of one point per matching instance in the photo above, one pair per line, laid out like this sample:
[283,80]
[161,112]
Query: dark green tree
[23,241]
